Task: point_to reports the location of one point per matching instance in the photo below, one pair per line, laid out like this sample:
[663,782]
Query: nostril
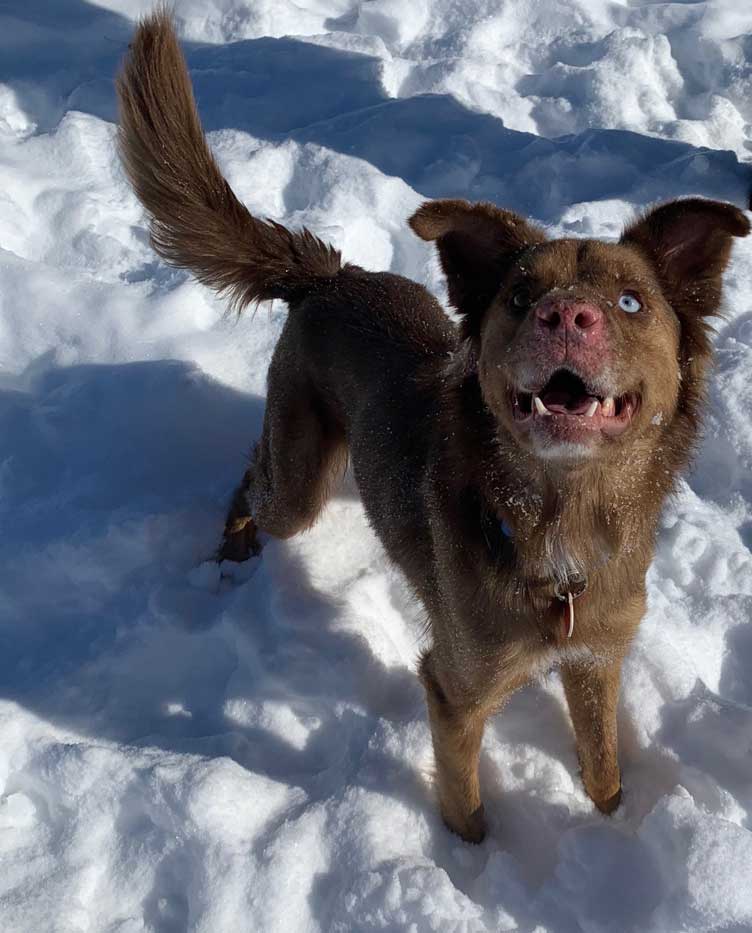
[548,315]
[586,317]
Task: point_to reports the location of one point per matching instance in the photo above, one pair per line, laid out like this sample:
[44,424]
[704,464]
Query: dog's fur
[491,512]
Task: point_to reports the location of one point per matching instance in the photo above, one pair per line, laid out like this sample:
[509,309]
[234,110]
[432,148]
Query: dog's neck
[565,524]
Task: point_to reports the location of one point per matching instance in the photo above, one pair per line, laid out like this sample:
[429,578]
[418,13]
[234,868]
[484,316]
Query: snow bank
[180,751]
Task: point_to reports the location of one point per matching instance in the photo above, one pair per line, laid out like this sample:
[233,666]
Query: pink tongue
[565,403]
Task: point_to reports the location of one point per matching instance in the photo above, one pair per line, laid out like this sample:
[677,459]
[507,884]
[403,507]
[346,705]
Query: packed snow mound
[680,70]
[187,750]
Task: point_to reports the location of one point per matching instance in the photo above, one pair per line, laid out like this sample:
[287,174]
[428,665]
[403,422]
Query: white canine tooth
[608,407]
[592,409]
[540,407]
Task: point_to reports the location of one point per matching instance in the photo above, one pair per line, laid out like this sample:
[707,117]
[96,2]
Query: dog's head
[584,345]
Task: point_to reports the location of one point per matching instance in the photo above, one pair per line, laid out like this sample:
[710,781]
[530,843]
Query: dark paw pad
[240,541]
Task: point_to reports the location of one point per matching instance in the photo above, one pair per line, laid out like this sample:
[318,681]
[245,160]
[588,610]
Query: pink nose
[562,314]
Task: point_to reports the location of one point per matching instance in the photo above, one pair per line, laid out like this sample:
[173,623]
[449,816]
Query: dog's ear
[476,244]
[689,244]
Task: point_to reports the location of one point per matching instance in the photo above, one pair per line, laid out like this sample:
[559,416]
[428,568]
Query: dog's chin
[564,452]
[562,439]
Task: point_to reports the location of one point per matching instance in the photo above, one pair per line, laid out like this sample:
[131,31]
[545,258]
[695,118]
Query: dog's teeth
[608,407]
[592,409]
[540,407]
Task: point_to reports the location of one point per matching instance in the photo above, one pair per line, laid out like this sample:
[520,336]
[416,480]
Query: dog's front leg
[457,731]
[592,694]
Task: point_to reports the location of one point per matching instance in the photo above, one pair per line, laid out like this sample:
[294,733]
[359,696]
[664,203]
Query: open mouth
[565,401]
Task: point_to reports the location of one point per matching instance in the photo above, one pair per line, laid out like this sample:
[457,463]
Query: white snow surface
[183,752]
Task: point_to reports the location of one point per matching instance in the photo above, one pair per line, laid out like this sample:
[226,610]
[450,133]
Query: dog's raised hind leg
[299,456]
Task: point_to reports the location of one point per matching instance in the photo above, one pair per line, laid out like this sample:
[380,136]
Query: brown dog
[514,467]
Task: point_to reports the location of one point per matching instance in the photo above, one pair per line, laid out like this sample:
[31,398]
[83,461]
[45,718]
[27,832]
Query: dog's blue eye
[630,303]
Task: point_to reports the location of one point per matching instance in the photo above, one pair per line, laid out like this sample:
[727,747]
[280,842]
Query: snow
[184,751]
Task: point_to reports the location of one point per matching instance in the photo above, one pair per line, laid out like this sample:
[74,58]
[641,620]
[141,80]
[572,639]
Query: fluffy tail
[197,222]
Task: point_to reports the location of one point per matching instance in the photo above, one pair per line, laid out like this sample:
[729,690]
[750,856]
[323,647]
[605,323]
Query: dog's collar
[565,591]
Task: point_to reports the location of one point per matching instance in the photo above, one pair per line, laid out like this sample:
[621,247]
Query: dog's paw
[471,828]
[606,802]
[240,541]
